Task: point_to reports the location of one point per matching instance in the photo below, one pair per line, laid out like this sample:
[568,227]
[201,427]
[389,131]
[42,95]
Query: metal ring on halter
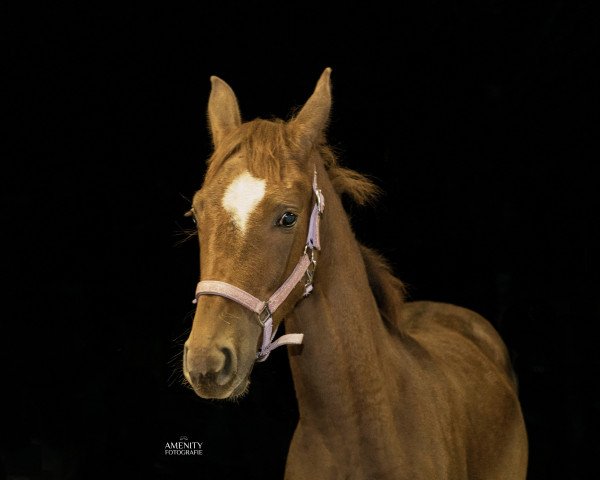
[264,315]
[309,277]
[310,273]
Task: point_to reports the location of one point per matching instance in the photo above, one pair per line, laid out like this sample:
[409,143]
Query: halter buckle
[310,273]
[264,315]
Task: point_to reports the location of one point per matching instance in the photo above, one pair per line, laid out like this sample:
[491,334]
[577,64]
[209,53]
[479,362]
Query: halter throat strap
[264,309]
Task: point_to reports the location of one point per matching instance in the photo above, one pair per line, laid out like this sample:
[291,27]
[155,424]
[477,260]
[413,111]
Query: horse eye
[287,220]
[190,213]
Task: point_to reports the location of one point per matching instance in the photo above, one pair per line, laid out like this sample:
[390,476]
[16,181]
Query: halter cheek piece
[264,309]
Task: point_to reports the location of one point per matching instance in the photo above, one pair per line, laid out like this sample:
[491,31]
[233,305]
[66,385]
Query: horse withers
[385,388]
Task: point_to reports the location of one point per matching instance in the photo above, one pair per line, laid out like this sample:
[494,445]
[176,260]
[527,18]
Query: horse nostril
[224,375]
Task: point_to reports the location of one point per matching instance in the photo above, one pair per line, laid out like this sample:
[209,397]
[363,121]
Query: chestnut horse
[385,388]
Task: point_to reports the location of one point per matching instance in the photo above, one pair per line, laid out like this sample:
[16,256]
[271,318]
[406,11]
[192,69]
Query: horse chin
[241,390]
[237,389]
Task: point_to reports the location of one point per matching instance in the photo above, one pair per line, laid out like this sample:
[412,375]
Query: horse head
[253,213]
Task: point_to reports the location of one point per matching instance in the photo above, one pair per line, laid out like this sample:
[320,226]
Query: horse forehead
[242,196]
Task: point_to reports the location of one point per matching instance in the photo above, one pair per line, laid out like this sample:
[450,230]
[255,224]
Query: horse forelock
[267,146]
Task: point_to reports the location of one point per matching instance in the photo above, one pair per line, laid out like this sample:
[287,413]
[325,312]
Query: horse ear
[312,119]
[223,111]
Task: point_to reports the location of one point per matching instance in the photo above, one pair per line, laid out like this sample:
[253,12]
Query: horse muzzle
[211,371]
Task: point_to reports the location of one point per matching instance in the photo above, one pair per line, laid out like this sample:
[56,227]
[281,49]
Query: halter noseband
[264,309]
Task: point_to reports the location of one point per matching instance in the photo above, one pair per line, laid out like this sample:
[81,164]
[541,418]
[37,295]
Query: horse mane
[389,291]
[268,145]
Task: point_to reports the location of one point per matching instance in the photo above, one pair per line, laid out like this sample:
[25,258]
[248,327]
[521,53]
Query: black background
[476,118]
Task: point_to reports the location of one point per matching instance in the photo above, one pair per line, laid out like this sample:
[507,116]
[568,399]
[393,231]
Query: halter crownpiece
[264,309]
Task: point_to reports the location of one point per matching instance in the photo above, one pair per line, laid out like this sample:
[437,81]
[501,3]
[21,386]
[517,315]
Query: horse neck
[338,377]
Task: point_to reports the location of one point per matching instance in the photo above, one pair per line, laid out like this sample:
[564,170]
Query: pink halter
[264,309]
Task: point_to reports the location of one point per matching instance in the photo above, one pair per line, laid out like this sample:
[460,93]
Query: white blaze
[241,198]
